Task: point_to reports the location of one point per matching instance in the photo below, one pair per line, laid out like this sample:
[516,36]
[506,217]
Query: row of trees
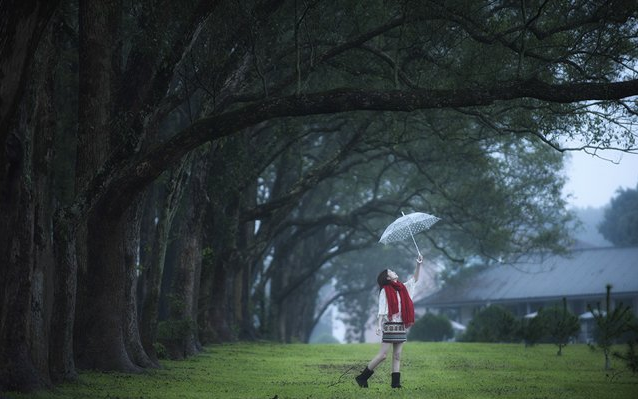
[196,171]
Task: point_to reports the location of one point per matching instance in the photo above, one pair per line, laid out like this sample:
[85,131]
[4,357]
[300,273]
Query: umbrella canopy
[407,226]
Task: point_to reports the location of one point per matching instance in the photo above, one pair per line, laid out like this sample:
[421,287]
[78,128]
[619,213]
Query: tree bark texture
[294,285]
[95,114]
[164,206]
[186,276]
[61,359]
[101,331]
[42,166]
[25,222]
[215,317]
[21,25]
[293,312]
[17,217]
[131,242]
[221,280]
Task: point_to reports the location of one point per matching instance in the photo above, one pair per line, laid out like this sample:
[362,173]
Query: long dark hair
[382,279]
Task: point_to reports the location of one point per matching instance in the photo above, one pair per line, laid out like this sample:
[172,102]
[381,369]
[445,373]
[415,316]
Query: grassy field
[429,370]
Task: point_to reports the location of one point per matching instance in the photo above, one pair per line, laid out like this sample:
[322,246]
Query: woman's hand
[378,331]
[419,262]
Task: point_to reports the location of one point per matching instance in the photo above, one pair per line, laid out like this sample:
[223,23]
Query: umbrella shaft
[414,241]
[412,235]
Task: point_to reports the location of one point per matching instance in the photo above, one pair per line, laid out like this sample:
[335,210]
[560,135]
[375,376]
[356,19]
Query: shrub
[610,325]
[174,329]
[431,327]
[561,324]
[160,350]
[533,330]
[630,356]
[492,324]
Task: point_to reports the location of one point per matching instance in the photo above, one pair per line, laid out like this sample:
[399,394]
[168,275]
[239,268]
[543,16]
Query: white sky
[593,181]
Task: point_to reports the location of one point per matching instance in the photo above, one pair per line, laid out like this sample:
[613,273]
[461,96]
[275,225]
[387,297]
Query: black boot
[396,380]
[362,379]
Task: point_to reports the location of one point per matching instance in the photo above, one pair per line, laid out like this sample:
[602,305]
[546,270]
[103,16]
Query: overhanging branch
[166,154]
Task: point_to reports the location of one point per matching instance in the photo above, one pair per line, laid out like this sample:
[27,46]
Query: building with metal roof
[542,281]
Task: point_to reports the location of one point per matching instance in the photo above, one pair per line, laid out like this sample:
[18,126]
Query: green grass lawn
[429,370]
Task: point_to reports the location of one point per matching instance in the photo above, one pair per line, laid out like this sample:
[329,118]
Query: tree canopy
[620,222]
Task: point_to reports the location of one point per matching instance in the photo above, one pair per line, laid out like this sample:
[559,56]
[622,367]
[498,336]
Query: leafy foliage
[550,325]
[620,224]
[492,324]
[171,330]
[431,327]
[630,355]
[533,330]
[561,324]
[611,324]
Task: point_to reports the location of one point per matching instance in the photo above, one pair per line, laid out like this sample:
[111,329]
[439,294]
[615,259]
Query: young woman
[396,314]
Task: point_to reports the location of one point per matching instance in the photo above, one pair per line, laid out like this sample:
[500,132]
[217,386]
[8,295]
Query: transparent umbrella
[407,226]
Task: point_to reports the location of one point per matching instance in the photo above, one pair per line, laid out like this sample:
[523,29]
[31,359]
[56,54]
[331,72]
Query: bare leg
[396,356]
[383,352]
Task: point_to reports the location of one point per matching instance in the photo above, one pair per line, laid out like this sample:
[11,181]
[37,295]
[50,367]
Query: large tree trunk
[25,205]
[221,282]
[277,316]
[149,281]
[294,313]
[186,277]
[294,290]
[154,259]
[245,317]
[131,260]
[21,23]
[214,319]
[17,369]
[101,324]
[61,358]
[42,177]
[100,341]
[243,300]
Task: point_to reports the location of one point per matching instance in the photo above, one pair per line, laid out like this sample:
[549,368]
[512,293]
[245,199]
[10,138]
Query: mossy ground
[429,370]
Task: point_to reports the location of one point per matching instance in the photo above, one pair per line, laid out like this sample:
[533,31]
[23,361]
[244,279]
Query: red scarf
[407,307]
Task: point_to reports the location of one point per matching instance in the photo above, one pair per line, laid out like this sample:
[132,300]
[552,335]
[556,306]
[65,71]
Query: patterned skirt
[394,332]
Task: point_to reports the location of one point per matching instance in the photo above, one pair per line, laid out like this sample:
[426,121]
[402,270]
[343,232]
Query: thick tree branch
[161,157]
[306,182]
[311,65]
[344,100]
[335,298]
